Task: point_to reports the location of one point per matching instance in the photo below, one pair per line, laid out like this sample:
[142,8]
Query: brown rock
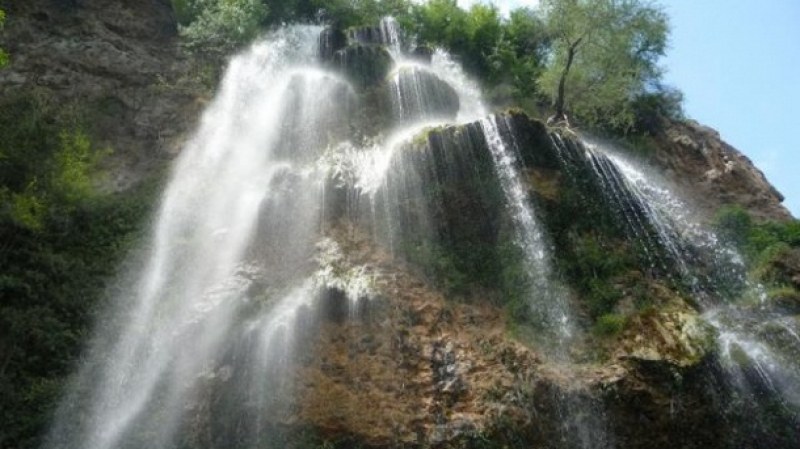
[715,173]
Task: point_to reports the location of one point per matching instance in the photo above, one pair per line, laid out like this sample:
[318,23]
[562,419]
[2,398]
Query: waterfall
[548,298]
[228,274]
[306,132]
[713,272]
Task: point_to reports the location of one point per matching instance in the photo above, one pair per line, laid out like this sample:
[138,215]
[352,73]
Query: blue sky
[738,65]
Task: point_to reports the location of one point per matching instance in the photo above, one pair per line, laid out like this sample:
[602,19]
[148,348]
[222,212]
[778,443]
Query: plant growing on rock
[3,54]
[605,54]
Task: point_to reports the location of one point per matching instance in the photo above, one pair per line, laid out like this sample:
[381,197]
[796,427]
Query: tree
[605,53]
[219,26]
[519,55]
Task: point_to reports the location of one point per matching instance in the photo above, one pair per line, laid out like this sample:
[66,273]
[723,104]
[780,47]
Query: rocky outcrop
[119,61]
[715,173]
[415,369]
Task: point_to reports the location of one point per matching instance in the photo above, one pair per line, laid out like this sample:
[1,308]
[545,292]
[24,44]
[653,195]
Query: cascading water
[548,298]
[713,273]
[228,275]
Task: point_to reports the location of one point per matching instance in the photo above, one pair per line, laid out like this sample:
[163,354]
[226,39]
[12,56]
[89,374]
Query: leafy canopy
[605,54]
[219,26]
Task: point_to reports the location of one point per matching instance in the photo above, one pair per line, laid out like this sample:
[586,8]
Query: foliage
[490,47]
[3,54]
[610,324]
[522,51]
[651,107]
[605,53]
[60,242]
[47,162]
[217,27]
[766,245]
[736,226]
[349,13]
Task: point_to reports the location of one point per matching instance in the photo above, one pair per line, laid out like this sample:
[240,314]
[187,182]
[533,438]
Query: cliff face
[119,60]
[715,173]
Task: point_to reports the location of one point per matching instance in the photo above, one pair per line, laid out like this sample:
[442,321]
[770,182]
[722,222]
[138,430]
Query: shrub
[610,324]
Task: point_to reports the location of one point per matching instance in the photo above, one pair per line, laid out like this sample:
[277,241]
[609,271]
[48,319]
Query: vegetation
[3,54]
[767,246]
[596,60]
[60,244]
[217,27]
[610,324]
[605,54]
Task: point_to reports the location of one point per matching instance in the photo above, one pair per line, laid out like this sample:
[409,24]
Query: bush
[610,324]
[735,226]
[766,246]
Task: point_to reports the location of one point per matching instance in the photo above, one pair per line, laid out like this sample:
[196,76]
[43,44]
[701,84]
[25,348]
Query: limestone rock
[675,335]
[714,172]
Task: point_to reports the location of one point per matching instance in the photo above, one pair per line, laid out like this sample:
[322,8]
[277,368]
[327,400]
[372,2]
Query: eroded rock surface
[715,173]
[118,60]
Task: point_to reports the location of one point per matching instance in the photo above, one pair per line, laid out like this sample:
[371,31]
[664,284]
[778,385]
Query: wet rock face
[363,65]
[116,59]
[531,138]
[445,198]
[716,173]
[417,94]
[386,33]
[367,35]
[331,40]
[422,53]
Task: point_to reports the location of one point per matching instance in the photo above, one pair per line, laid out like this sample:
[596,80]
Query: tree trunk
[559,106]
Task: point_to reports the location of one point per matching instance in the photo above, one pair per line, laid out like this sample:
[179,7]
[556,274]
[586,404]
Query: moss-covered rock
[781,266]
[673,334]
